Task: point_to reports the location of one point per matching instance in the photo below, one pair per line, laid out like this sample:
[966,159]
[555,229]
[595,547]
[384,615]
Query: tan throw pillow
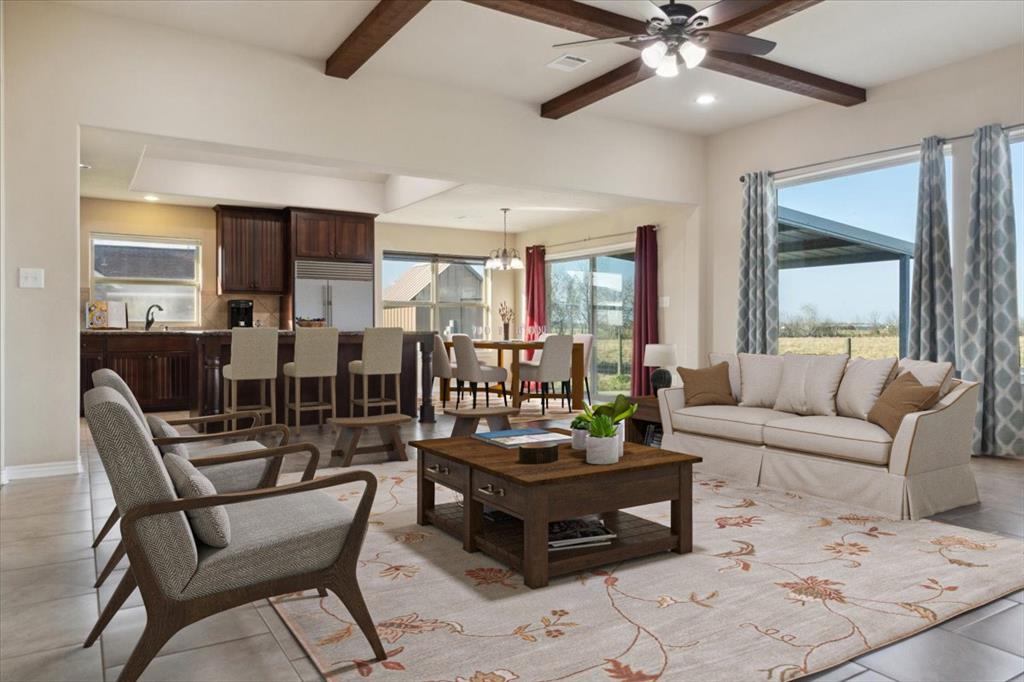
[734,370]
[862,383]
[210,524]
[161,429]
[903,396]
[760,376]
[809,384]
[930,373]
[706,386]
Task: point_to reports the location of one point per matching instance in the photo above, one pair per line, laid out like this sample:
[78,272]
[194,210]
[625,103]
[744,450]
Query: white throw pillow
[862,383]
[759,377]
[210,524]
[734,370]
[809,384]
[929,373]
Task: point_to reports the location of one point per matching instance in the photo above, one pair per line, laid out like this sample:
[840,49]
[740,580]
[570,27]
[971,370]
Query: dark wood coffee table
[536,494]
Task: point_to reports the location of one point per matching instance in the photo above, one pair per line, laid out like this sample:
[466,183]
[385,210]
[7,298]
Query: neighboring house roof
[412,282]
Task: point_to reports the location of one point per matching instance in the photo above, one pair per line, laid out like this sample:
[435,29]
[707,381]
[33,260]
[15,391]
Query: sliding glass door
[594,295]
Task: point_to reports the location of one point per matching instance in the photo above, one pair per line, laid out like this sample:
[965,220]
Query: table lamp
[660,355]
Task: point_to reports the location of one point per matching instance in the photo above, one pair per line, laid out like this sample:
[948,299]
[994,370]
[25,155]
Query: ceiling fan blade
[733,42]
[624,40]
[722,12]
[655,12]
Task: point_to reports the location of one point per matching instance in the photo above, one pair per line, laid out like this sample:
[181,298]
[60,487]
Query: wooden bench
[351,428]
[468,419]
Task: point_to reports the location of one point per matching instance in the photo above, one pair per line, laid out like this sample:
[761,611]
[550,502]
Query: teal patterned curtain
[931,293]
[988,350]
[757,329]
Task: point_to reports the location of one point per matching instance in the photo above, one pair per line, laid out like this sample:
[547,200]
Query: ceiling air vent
[568,62]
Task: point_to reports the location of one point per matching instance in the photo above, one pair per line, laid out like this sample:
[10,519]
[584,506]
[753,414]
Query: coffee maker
[239,313]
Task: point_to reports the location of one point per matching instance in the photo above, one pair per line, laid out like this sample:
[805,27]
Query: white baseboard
[21,471]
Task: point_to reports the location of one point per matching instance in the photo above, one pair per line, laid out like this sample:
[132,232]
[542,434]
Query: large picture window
[436,293]
[141,272]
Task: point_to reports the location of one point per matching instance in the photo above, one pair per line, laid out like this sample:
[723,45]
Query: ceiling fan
[678,32]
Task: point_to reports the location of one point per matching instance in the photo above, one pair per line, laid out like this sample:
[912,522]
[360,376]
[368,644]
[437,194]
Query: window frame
[435,304]
[196,283]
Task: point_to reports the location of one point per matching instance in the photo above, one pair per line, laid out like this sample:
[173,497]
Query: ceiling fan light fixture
[692,54]
[669,68]
[653,55]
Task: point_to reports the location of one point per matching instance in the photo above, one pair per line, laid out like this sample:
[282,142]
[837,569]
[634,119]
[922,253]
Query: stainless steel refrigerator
[340,293]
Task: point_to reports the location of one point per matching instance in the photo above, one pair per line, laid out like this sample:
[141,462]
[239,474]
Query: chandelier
[504,258]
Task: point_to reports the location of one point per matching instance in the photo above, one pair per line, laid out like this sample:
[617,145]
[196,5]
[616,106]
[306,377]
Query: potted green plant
[603,441]
[613,413]
[580,427]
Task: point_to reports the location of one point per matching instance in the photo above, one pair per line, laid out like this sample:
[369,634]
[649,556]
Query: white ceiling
[221,174]
[862,42]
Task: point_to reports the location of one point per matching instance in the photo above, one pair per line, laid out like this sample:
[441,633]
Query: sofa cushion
[843,437]
[862,383]
[809,384]
[722,421]
[709,386]
[734,370]
[929,373]
[759,376]
[903,396]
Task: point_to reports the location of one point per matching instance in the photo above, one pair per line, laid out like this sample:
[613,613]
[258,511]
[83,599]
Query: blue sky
[884,201]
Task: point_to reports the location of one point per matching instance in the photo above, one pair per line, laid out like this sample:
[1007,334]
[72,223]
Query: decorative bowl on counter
[311,322]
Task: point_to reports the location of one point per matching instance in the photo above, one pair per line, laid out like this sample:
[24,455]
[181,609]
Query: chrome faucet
[150,316]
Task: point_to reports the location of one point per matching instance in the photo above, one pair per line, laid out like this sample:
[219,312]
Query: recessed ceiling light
[83,166]
[706,99]
[151,197]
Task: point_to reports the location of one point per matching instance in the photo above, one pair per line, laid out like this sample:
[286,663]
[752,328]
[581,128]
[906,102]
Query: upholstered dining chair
[271,541]
[555,367]
[227,477]
[469,369]
[443,368]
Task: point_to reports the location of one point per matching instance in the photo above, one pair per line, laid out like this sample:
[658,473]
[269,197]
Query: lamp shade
[659,355]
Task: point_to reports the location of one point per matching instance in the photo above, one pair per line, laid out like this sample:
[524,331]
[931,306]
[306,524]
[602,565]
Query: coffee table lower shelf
[503,540]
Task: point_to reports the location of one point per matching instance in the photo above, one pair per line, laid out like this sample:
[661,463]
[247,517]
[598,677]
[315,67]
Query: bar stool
[382,356]
[316,357]
[253,358]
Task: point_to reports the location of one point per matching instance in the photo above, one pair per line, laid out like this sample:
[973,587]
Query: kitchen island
[182,369]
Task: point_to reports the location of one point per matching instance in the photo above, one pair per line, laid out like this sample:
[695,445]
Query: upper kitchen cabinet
[332,234]
[251,250]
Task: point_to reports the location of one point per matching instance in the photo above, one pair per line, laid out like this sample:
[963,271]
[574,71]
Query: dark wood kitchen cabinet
[159,367]
[251,250]
[332,234]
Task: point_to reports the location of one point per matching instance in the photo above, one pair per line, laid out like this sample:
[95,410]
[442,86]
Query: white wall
[67,67]
[949,101]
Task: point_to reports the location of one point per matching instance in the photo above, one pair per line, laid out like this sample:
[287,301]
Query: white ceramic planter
[579,439]
[603,450]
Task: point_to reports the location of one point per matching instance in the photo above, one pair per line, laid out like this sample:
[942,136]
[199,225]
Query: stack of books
[578,534]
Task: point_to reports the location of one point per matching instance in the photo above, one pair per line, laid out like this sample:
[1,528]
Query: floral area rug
[778,586]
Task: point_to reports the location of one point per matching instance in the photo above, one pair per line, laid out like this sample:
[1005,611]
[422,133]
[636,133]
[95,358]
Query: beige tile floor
[48,604]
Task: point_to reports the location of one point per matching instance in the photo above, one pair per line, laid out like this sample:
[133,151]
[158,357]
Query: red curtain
[536,293]
[645,305]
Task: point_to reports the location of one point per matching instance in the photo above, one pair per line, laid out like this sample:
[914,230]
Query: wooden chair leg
[234,404]
[446,387]
[112,563]
[398,394]
[366,395]
[348,591]
[472,387]
[487,394]
[320,399]
[586,384]
[158,631]
[111,520]
[227,395]
[334,396]
[351,394]
[121,593]
[273,401]
[286,400]
[298,406]
[504,394]
[543,398]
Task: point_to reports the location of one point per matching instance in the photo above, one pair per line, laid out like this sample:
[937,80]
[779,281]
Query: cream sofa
[924,470]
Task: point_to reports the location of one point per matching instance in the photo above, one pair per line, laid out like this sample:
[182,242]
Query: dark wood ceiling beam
[791,79]
[764,13]
[569,15]
[597,89]
[385,20]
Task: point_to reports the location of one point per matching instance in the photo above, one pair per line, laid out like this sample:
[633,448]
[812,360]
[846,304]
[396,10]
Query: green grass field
[862,346]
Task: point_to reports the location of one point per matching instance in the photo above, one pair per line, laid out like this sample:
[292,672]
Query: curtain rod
[903,148]
[588,239]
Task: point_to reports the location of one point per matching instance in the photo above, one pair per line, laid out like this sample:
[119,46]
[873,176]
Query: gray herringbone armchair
[284,539]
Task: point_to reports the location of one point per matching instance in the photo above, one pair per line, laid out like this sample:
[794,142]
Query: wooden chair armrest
[257,418]
[252,431]
[264,453]
[189,503]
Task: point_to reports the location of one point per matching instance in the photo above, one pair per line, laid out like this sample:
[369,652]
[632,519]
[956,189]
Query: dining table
[516,347]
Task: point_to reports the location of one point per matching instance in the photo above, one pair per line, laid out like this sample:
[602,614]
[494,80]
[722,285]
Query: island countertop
[178,369]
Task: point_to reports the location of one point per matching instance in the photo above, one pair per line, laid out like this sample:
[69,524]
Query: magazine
[513,438]
[585,532]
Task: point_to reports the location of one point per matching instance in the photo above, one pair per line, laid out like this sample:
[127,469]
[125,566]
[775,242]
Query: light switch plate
[664,301]
[30,278]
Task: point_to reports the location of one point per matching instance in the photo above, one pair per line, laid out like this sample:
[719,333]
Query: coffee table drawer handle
[489,489]
[437,469]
